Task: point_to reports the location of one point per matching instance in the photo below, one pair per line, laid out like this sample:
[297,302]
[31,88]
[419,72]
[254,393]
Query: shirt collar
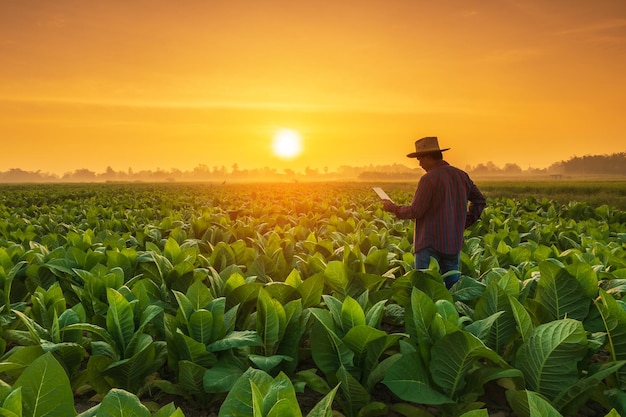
[438,164]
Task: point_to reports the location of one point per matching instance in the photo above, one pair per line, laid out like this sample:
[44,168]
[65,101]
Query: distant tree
[309,172]
[512,169]
[82,174]
[614,164]
[201,172]
[110,174]
[19,175]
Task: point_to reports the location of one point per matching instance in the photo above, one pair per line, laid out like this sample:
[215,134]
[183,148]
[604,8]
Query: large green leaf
[482,329]
[47,304]
[524,322]
[8,280]
[46,389]
[119,319]
[199,295]
[377,261]
[430,282]
[352,314]
[11,405]
[185,306]
[268,363]
[336,275]
[375,366]
[311,290]
[560,292]
[586,277]
[245,297]
[454,355]
[549,358]
[201,326]
[238,402]
[223,321]
[184,347]
[120,403]
[95,368]
[257,400]
[374,314]
[236,339]
[614,318]
[328,350]
[353,393]
[297,326]
[571,400]
[37,332]
[280,398]
[172,250]
[359,337]
[271,322]
[334,307]
[530,404]
[130,373]
[324,408]
[281,292]
[496,300]
[409,379]
[222,376]
[190,377]
[419,317]
[70,355]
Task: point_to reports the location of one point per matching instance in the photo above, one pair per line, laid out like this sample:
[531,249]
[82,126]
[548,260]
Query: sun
[287,143]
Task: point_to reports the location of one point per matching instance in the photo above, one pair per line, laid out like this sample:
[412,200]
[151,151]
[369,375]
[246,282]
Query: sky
[154,84]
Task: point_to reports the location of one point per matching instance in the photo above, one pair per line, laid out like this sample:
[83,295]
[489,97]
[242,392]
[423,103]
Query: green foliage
[349,350]
[132,289]
[255,393]
[122,355]
[44,389]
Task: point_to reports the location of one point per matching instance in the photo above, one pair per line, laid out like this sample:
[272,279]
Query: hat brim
[416,154]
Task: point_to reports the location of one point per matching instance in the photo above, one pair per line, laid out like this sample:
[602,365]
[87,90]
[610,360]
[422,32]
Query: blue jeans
[446,262]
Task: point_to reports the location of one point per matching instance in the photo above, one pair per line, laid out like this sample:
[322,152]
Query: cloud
[601,26]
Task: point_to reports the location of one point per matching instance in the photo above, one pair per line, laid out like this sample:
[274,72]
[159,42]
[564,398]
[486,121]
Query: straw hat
[426,145]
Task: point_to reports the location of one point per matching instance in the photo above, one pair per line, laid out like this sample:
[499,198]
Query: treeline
[215,174]
[614,164]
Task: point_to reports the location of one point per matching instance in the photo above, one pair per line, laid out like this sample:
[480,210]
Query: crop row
[245,297]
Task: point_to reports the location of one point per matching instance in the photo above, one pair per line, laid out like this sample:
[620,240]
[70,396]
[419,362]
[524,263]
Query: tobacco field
[245,299]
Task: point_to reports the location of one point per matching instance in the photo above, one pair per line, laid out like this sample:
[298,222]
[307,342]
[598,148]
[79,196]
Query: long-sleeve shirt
[440,208]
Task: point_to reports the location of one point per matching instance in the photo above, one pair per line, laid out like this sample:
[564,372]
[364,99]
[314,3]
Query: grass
[595,193]
[591,191]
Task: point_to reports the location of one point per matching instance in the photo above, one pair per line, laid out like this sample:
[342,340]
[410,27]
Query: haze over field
[158,84]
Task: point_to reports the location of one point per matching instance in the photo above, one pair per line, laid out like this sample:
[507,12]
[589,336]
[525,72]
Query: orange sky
[154,84]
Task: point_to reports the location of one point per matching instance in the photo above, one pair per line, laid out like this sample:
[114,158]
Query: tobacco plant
[183,288]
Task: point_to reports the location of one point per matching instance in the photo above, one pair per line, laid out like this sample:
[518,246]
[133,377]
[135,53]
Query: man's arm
[476,206]
[419,205]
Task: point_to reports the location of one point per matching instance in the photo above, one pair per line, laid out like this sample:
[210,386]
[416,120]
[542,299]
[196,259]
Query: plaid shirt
[440,208]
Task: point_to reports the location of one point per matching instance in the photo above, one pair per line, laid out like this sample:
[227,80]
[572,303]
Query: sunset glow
[151,85]
[287,143]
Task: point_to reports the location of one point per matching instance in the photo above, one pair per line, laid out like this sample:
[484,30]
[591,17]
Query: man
[440,209]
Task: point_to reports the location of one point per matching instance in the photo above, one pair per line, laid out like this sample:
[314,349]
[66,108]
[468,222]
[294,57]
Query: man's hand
[388,205]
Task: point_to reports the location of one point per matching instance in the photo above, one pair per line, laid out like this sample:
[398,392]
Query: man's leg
[446,263]
[450,263]
[422,258]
